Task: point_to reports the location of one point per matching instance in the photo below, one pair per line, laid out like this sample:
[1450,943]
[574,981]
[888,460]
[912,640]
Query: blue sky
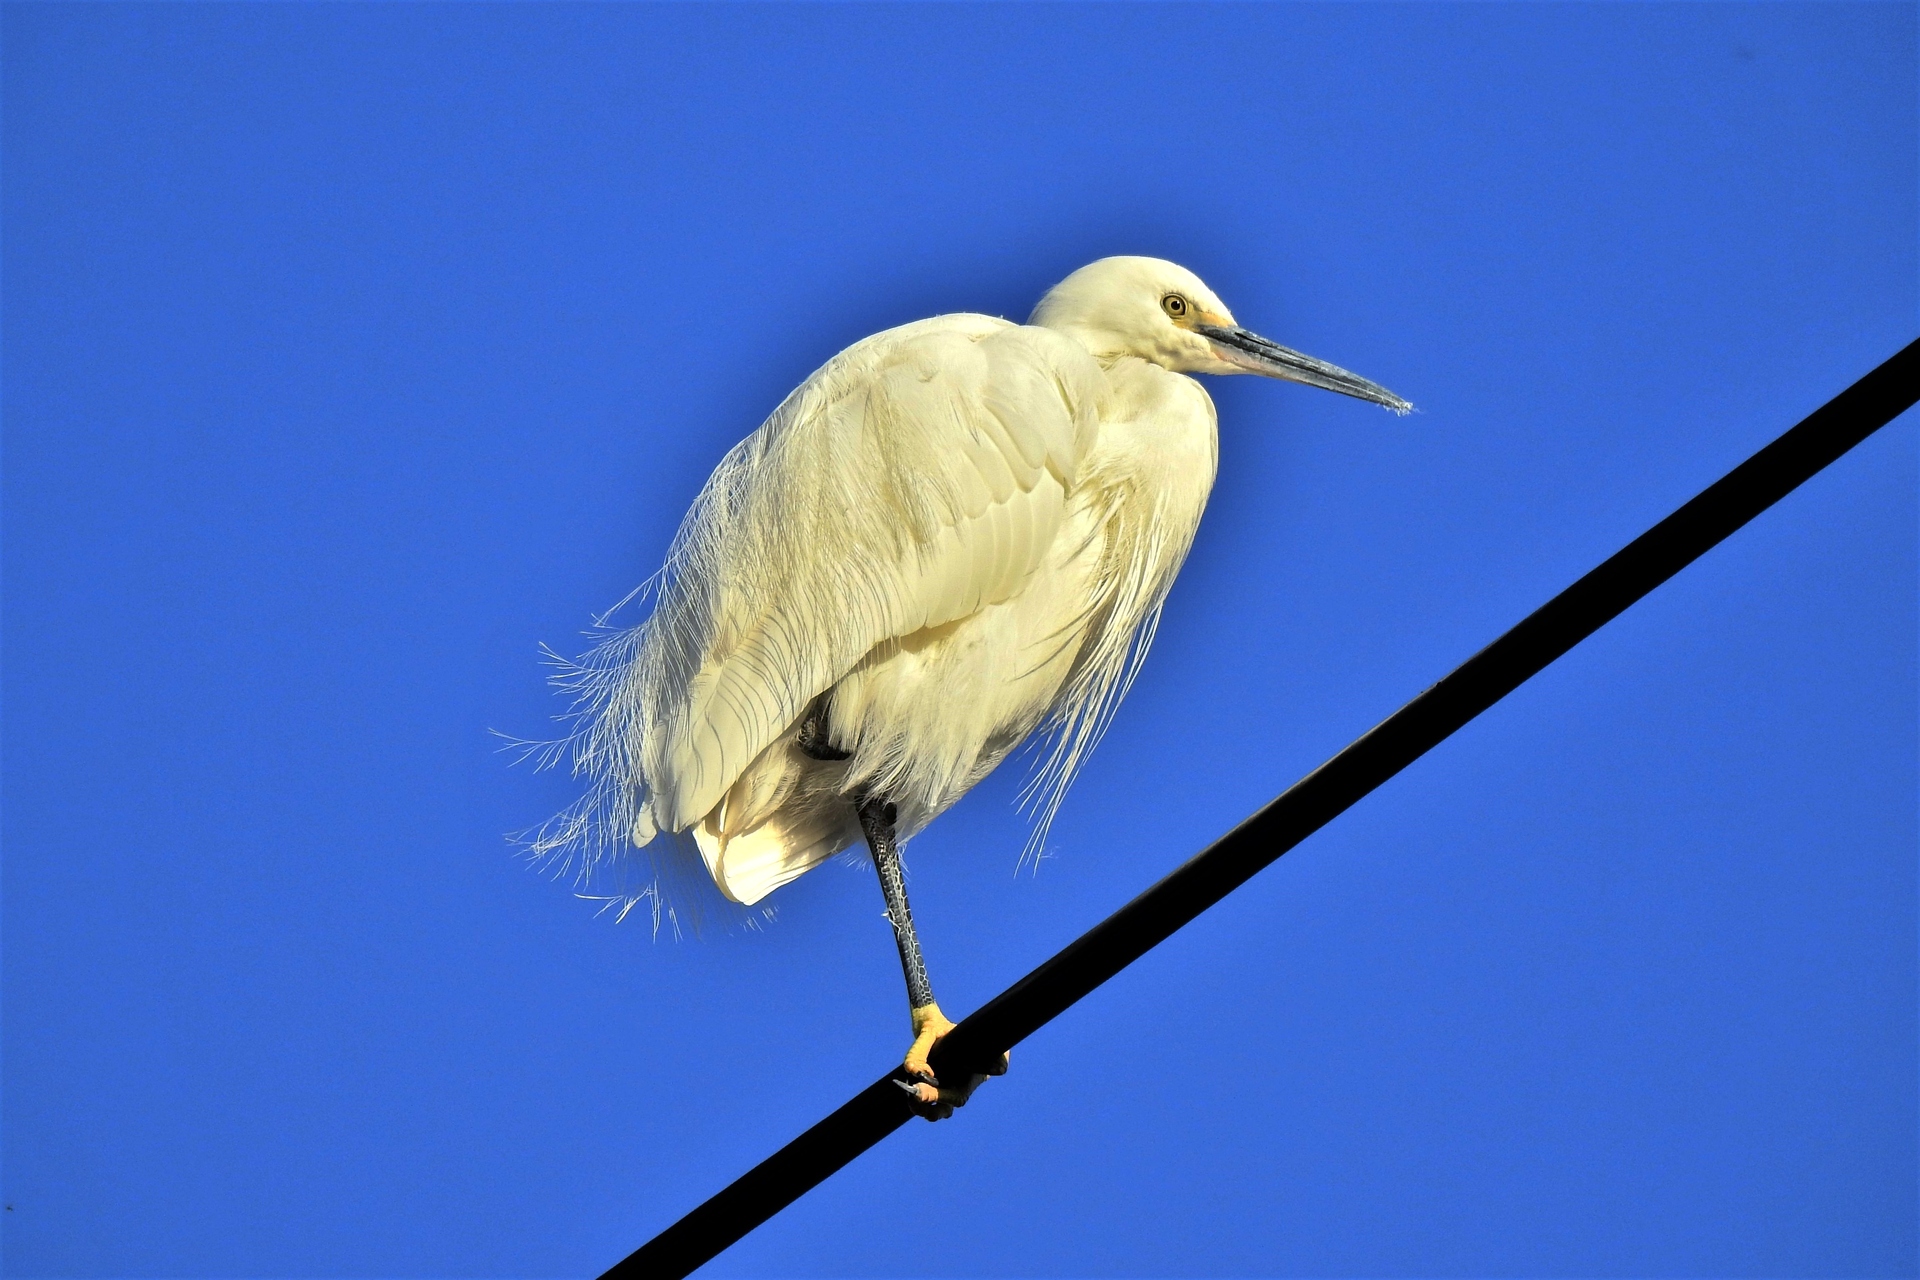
[351,351]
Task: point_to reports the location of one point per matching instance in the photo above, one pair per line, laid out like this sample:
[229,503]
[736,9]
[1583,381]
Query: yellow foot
[930,1099]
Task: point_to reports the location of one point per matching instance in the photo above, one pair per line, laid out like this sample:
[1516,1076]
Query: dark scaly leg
[877,819]
[812,738]
[930,1098]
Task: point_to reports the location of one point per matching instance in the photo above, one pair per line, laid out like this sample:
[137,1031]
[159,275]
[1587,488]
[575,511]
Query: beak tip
[1248,351]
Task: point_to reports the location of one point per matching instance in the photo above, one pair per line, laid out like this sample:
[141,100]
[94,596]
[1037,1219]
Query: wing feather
[917,477]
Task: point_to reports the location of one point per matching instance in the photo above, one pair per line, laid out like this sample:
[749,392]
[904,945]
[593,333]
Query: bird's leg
[877,819]
[812,738]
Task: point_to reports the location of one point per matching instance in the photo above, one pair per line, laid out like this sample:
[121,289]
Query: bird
[954,536]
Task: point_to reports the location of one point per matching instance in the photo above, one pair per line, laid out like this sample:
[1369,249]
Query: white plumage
[954,534]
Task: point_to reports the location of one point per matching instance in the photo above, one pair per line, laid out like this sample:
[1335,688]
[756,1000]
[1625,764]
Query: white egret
[955,534]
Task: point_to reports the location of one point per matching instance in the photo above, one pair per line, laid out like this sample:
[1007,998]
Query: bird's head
[1163,313]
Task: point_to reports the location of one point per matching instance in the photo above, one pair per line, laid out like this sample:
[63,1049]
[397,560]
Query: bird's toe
[927,1101]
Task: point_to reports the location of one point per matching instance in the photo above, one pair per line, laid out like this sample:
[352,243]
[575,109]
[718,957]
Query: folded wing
[918,477]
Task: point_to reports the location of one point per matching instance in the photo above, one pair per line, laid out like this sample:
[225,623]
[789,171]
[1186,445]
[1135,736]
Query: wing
[919,476]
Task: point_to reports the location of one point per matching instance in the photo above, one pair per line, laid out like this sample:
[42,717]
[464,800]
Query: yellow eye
[1175,305]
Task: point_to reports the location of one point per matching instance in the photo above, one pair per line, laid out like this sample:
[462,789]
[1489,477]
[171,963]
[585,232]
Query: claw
[927,1102]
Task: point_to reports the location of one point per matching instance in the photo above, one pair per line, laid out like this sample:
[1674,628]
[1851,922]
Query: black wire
[1304,808]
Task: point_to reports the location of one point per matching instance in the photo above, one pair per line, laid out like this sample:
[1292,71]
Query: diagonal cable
[1377,755]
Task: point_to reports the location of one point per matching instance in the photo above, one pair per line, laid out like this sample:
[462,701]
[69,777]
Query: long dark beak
[1256,355]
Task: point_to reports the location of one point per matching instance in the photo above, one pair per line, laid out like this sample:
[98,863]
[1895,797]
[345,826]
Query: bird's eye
[1176,306]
